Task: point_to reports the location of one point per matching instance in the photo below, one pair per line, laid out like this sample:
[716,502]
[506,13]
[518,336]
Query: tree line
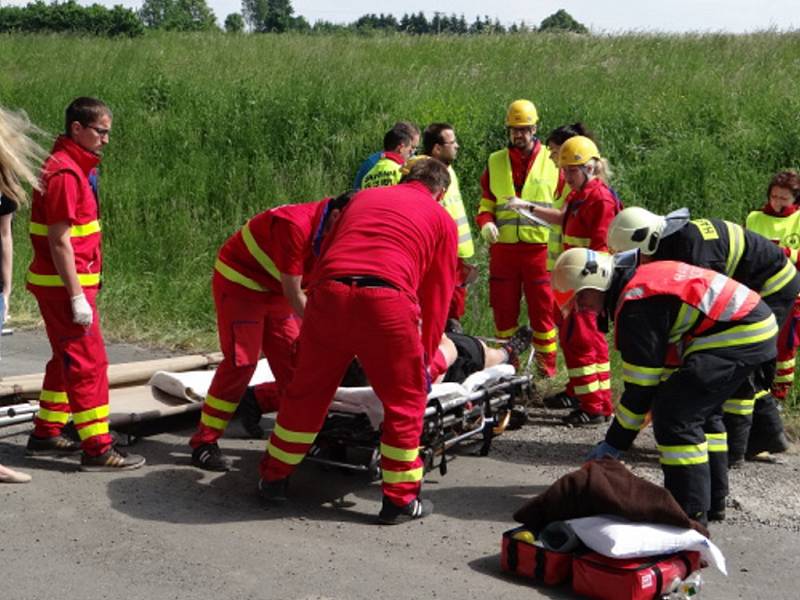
[257,16]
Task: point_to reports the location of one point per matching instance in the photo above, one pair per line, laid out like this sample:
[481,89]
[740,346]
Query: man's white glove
[489,232]
[81,310]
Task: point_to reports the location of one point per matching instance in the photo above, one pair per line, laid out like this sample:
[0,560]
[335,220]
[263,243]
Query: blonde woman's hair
[601,169]
[20,156]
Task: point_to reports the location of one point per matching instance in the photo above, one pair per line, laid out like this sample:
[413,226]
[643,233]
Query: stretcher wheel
[374,467]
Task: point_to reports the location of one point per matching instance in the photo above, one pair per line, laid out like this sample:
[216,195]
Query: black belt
[363,281]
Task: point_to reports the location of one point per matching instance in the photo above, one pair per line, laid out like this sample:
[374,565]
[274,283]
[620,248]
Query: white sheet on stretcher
[193,387]
[364,400]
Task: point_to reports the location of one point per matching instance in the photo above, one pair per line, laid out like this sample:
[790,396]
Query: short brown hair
[433,135]
[432,173]
[402,133]
[788,180]
[85,111]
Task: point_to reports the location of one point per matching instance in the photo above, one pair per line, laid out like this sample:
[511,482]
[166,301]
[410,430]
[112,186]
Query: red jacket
[284,235]
[67,195]
[402,235]
[588,214]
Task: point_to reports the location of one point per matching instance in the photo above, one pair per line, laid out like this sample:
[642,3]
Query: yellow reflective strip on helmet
[735,247]
[588,388]
[643,376]
[290,458]
[779,280]
[295,437]
[399,454]
[551,347]
[582,371]
[717,442]
[506,333]
[53,416]
[221,405]
[629,419]
[213,422]
[93,414]
[410,476]
[99,428]
[257,253]
[53,397]
[785,364]
[577,242]
[739,335]
[236,277]
[85,279]
[693,454]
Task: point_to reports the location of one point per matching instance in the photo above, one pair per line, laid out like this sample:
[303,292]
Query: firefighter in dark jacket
[688,337]
[746,257]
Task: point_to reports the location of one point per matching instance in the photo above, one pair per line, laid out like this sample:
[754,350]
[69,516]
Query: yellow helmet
[636,227]
[521,113]
[577,150]
[580,269]
[406,168]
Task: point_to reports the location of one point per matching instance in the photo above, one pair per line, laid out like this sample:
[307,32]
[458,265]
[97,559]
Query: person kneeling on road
[714,330]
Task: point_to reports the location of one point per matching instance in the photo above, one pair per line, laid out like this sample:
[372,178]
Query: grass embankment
[210,129]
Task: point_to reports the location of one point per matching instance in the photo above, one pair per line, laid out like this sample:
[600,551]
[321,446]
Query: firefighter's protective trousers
[75,379]
[520,268]
[246,328]
[381,326]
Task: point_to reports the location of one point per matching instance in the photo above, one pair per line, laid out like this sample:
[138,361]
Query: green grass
[209,129]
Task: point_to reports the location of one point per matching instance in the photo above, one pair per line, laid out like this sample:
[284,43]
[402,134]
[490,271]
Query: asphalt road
[170,531]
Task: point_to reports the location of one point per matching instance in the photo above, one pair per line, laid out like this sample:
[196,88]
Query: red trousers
[75,378]
[788,340]
[518,268]
[381,326]
[586,353]
[459,300]
[246,328]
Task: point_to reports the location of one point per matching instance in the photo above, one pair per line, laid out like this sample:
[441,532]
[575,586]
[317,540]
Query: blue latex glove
[603,450]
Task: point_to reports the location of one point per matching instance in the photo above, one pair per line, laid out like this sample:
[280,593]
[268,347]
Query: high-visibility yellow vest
[539,188]
[454,205]
[385,172]
[555,243]
[784,231]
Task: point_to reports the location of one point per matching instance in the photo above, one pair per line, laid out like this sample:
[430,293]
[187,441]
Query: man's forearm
[64,261]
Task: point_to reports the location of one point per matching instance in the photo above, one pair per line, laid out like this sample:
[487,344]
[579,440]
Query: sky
[601,16]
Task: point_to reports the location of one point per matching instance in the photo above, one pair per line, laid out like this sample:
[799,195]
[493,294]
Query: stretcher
[474,411]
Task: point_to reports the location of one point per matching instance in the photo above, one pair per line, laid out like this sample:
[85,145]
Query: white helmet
[581,269]
[636,227]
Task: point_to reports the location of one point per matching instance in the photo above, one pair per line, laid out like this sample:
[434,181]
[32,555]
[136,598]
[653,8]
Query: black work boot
[250,414]
[211,458]
[717,510]
[58,445]
[274,492]
[391,514]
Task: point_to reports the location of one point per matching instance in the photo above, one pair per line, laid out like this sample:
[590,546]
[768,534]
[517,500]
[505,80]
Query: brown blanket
[604,487]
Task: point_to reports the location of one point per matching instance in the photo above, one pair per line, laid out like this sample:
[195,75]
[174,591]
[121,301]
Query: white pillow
[619,538]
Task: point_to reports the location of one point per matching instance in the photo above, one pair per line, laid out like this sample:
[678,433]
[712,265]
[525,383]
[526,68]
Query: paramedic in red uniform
[64,276]
[259,300]
[518,252]
[588,212]
[381,291]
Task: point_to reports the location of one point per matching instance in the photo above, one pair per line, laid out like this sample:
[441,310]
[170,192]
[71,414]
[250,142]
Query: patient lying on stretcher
[457,357]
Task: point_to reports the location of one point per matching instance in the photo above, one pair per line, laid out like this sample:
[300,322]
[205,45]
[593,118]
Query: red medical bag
[522,557]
